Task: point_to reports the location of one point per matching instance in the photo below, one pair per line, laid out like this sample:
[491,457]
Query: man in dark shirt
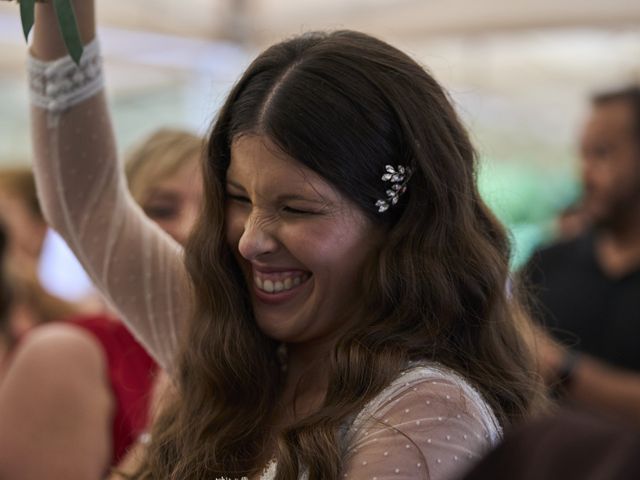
[587,290]
[584,306]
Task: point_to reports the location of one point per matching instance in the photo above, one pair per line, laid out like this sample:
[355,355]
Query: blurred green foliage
[527,198]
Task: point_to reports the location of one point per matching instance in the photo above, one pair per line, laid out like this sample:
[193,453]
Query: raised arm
[84,195]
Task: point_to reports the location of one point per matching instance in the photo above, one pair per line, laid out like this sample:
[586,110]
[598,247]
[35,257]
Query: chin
[276,329]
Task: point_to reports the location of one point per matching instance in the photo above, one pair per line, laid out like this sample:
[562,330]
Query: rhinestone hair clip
[398,179]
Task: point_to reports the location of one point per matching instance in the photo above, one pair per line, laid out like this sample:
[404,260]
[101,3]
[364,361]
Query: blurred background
[520,74]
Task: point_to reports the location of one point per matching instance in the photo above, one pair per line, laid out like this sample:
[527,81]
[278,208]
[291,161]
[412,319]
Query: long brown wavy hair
[345,105]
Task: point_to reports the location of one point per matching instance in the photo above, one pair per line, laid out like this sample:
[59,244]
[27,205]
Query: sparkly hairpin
[398,179]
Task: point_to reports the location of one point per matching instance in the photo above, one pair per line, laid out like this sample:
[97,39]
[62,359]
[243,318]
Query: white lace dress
[429,423]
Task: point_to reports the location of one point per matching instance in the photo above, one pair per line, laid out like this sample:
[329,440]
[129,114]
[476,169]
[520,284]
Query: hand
[550,355]
[67,24]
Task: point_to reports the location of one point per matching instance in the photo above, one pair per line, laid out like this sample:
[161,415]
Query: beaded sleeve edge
[60,84]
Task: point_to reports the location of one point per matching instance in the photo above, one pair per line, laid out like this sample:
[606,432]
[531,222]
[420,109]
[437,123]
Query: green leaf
[27,15]
[69,28]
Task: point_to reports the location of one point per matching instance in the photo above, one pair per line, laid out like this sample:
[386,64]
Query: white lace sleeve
[428,424]
[138,268]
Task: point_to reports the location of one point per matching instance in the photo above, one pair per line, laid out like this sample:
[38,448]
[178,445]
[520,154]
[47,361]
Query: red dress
[131,374]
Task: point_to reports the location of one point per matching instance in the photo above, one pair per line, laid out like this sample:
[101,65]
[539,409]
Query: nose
[257,239]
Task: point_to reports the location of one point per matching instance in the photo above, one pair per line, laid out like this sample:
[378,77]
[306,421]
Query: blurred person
[25,229]
[340,309]
[163,175]
[587,289]
[569,445]
[76,395]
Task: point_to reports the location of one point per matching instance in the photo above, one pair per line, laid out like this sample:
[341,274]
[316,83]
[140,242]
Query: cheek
[335,251]
[627,170]
[183,226]
[615,180]
[174,227]
[602,175]
[168,225]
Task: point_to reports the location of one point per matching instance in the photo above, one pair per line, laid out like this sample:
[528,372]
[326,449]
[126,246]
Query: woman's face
[300,243]
[174,202]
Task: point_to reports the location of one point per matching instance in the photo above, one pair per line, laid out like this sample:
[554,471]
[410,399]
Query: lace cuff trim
[60,84]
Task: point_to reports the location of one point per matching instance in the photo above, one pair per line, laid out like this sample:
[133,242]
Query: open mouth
[274,283]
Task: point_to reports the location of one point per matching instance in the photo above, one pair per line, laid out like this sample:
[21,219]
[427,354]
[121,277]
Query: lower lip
[280,297]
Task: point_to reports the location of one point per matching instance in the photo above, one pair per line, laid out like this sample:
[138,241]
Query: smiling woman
[300,244]
[342,311]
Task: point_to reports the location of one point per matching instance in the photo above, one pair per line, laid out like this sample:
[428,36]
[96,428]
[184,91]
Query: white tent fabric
[260,21]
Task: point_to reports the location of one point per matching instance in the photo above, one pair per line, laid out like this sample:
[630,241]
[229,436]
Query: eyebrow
[285,197]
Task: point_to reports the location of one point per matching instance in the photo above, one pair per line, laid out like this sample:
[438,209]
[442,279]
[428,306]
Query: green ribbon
[27,15]
[69,28]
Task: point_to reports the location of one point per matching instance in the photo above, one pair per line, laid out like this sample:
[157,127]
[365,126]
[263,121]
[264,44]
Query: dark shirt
[582,305]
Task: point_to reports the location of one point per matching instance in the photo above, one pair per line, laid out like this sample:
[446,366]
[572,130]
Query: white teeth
[277,286]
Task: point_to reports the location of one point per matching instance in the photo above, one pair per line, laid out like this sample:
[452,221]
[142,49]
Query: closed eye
[287,209]
[297,211]
[238,198]
[159,212]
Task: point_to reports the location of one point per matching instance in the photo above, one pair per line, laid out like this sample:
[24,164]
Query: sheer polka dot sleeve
[428,424]
[137,267]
